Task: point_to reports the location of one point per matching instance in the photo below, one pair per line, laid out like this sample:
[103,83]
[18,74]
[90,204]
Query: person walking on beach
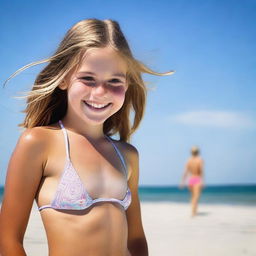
[85,183]
[194,173]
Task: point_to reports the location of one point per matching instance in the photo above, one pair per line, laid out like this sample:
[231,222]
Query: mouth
[96,107]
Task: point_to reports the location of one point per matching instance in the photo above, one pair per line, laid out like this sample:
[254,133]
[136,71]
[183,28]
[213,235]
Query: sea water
[217,194]
[214,194]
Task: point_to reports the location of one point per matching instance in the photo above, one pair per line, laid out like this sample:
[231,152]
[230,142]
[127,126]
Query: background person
[194,174]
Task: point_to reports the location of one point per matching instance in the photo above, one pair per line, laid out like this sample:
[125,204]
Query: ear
[63,85]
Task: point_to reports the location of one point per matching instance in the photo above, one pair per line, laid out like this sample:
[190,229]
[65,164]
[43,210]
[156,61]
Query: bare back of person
[194,166]
[100,229]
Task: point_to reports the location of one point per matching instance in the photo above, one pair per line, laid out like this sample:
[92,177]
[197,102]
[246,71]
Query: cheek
[118,91]
[119,95]
[75,92]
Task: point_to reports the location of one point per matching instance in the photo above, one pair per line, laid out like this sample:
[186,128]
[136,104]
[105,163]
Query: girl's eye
[114,81]
[89,81]
[87,78]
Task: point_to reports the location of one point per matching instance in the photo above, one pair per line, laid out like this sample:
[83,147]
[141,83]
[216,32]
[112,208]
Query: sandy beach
[217,230]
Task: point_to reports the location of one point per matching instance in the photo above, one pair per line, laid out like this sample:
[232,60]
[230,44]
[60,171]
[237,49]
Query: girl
[194,170]
[84,182]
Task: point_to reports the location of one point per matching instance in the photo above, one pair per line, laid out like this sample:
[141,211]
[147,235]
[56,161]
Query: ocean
[212,194]
[217,194]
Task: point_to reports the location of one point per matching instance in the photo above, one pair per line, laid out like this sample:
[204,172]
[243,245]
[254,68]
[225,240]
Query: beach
[218,230]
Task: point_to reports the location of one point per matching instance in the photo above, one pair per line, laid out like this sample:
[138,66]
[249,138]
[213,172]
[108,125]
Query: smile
[95,106]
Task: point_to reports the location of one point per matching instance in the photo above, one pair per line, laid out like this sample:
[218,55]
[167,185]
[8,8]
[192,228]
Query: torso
[102,228]
[194,165]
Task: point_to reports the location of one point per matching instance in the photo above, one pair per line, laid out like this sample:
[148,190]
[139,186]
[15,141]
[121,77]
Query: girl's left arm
[137,243]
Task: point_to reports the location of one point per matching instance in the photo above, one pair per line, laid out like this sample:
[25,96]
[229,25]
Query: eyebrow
[91,73]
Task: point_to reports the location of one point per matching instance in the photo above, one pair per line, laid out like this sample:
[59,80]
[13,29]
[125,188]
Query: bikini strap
[66,139]
[119,154]
[115,147]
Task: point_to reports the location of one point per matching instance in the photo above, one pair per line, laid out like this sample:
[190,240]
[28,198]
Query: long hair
[47,103]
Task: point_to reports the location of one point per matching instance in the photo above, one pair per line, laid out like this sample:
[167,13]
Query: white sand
[217,230]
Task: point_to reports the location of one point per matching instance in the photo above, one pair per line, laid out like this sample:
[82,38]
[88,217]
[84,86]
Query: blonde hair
[47,103]
[195,151]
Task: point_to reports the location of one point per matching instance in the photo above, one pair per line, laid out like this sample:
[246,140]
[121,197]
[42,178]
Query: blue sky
[209,101]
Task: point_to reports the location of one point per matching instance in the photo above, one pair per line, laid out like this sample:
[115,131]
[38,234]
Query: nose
[99,90]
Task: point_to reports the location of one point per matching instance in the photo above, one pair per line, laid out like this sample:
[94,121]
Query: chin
[95,121]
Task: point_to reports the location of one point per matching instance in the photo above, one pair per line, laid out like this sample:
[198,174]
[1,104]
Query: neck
[91,132]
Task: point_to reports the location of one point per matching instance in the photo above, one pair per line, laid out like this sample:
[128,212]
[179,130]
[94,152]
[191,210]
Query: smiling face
[96,90]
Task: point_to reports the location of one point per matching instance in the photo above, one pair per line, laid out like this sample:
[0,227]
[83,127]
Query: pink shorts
[194,180]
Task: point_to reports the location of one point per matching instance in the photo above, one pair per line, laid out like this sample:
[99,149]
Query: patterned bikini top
[71,193]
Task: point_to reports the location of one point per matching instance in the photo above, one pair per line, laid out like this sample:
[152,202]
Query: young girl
[84,182]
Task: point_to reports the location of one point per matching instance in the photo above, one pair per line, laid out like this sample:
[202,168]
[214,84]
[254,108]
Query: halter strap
[67,146]
[66,139]
[119,154]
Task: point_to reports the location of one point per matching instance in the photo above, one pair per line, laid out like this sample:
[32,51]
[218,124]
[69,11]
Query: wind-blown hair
[47,103]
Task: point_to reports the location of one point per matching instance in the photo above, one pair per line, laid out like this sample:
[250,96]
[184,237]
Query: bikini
[71,193]
[194,180]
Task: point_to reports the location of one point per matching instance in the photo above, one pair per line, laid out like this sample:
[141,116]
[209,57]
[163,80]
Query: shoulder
[36,139]
[201,160]
[129,150]
[35,135]
[190,160]
[131,155]
[32,136]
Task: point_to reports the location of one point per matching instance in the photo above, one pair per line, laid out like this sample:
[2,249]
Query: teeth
[97,105]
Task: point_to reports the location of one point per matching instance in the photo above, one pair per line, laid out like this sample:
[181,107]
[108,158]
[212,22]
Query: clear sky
[209,101]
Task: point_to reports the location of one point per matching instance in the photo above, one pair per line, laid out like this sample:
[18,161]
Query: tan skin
[34,171]
[194,168]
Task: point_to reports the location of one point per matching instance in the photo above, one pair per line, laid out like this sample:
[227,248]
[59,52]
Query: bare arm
[137,243]
[184,176]
[202,170]
[23,177]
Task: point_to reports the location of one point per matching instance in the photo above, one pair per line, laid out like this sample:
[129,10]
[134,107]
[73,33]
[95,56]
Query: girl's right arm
[184,176]
[24,173]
